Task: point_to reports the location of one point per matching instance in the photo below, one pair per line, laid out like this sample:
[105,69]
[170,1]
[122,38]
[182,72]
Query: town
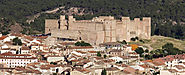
[92,37]
[26,54]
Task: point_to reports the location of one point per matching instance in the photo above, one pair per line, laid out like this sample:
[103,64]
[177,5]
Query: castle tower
[110,31]
[126,22]
[138,27]
[147,24]
[63,23]
[51,24]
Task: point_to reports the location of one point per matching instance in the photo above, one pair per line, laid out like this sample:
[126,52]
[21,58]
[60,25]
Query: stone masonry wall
[99,29]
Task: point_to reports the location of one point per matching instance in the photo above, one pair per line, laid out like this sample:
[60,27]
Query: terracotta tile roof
[145,66]
[92,51]
[28,37]
[108,61]
[40,41]
[172,70]
[16,34]
[81,47]
[146,61]
[25,48]
[42,37]
[179,67]
[5,49]
[158,62]
[124,65]
[80,64]
[112,69]
[126,72]
[76,55]
[81,52]
[129,70]
[47,66]
[3,37]
[67,43]
[83,70]
[98,58]
[116,50]
[74,60]
[109,43]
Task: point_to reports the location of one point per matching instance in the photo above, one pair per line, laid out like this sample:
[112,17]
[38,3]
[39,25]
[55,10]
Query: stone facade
[100,29]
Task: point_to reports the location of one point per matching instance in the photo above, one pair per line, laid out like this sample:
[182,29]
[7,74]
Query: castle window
[80,38]
[132,32]
[58,24]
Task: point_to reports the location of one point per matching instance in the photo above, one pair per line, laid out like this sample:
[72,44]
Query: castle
[99,30]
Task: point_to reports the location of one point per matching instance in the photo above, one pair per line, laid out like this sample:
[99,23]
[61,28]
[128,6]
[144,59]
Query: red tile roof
[2,37]
[81,47]
[25,48]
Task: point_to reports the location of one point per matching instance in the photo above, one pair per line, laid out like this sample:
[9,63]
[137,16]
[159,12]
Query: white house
[54,58]
[15,60]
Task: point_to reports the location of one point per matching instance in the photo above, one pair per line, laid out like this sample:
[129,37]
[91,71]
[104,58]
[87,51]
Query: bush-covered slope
[168,16]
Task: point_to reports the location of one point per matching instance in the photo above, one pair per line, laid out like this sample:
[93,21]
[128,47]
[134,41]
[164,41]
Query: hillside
[167,15]
[157,42]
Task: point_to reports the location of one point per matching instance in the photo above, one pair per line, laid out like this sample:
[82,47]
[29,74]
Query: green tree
[104,56]
[137,38]
[103,72]
[146,51]
[82,43]
[167,46]
[139,51]
[141,41]
[124,42]
[133,39]
[54,63]
[148,57]
[5,33]
[98,54]
[171,50]
[17,41]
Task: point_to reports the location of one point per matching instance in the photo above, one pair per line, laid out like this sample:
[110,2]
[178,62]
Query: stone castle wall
[100,29]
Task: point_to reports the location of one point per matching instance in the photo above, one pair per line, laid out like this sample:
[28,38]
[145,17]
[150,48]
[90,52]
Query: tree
[137,38]
[171,50]
[148,57]
[141,41]
[167,46]
[54,73]
[5,33]
[146,51]
[54,63]
[124,42]
[139,51]
[133,39]
[103,72]
[82,43]
[120,62]
[104,56]
[17,41]
[98,54]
